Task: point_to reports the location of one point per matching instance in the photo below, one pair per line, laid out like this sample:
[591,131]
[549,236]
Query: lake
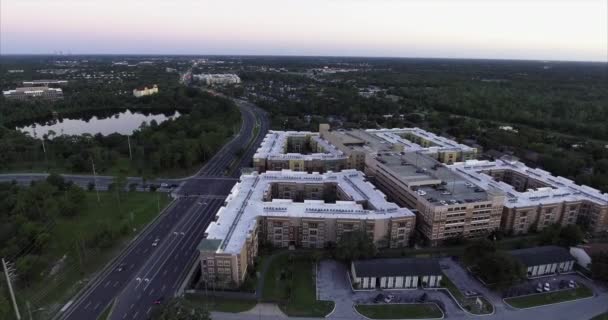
[124,122]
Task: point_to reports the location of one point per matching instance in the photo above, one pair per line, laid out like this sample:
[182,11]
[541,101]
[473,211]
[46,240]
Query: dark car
[379,298]
[159,300]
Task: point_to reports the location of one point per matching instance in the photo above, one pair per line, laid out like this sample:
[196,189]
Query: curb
[364,304]
[548,304]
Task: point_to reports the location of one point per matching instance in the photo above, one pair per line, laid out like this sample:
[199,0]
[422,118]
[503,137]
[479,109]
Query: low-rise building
[46,83]
[403,273]
[27,93]
[298,151]
[145,91]
[217,79]
[287,208]
[544,261]
[536,199]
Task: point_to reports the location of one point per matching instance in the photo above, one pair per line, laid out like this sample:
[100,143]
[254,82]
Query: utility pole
[95,179]
[129,142]
[46,159]
[7,273]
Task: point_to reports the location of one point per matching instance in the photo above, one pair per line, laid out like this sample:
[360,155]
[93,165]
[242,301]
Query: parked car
[572,284]
[164,185]
[120,267]
[379,298]
[547,287]
[389,298]
[539,287]
[155,243]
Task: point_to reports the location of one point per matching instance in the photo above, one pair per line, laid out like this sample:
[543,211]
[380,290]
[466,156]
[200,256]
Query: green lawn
[468,303]
[290,281]
[69,234]
[603,316]
[223,304]
[549,297]
[400,311]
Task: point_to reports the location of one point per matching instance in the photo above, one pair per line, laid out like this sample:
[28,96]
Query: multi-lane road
[145,272]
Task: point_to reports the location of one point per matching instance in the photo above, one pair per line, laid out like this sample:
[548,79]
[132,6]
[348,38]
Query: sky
[501,29]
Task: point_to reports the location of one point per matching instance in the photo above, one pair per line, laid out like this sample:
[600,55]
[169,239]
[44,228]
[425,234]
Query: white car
[389,298]
[164,185]
[155,243]
[571,284]
[547,287]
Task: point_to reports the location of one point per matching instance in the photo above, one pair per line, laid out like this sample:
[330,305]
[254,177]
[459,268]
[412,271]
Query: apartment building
[288,208]
[536,199]
[46,83]
[145,91]
[298,151]
[28,93]
[357,143]
[446,204]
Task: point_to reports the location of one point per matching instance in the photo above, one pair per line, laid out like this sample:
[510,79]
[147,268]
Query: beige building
[287,208]
[536,199]
[145,91]
[298,151]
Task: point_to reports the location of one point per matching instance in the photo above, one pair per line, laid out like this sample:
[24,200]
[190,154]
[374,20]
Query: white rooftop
[237,219]
[393,135]
[275,143]
[561,189]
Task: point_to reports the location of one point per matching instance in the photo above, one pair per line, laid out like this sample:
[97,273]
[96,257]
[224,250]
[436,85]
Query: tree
[355,245]
[477,251]
[181,309]
[570,235]
[599,266]
[5,307]
[500,268]
[91,186]
[57,181]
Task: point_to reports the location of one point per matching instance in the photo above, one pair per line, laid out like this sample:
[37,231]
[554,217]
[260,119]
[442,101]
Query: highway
[149,272]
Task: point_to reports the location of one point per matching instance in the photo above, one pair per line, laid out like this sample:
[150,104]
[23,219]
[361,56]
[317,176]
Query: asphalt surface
[144,273]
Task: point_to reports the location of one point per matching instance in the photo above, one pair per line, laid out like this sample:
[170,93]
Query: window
[312,225]
[312,232]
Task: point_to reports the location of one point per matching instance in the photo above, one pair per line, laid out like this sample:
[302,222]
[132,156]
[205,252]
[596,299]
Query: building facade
[404,273]
[28,93]
[536,199]
[145,91]
[287,208]
[544,261]
[217,79]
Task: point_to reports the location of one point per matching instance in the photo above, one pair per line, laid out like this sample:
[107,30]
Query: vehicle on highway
[155,243]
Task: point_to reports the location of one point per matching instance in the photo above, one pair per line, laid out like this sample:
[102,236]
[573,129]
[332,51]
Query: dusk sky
[513,29]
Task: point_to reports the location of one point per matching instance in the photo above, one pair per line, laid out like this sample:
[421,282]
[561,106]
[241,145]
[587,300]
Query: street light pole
[10,289]
[95,179]
[129,142]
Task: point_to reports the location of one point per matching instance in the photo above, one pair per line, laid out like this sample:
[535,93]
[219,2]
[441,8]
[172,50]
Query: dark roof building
[547,260]
[396,273]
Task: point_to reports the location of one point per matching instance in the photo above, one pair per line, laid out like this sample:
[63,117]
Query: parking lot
[544,284]
[333,284]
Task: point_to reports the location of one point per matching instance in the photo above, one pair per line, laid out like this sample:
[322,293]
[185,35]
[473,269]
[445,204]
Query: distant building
[217,79]
[145,91]
[15,71]
[403,273]
[544,261]
[26,93]
[46,83]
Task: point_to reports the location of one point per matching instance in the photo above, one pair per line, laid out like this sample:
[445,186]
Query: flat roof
[395,135]
[431,179]
[274,144]
[541,255]
[397,267]
[560,189]
[237,219]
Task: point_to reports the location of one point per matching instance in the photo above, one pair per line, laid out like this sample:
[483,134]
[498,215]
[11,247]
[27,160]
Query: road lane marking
[135,315]
[148,312]
[87,305]
[107,284]
[115,284]
[131,307]
[124,315]
[97,306]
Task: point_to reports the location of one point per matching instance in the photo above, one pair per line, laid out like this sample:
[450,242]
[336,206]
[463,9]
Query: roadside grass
[68,242]
[603,316]
[549,297]
[222,304]
[400,311]
[468,303]
[290,281]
